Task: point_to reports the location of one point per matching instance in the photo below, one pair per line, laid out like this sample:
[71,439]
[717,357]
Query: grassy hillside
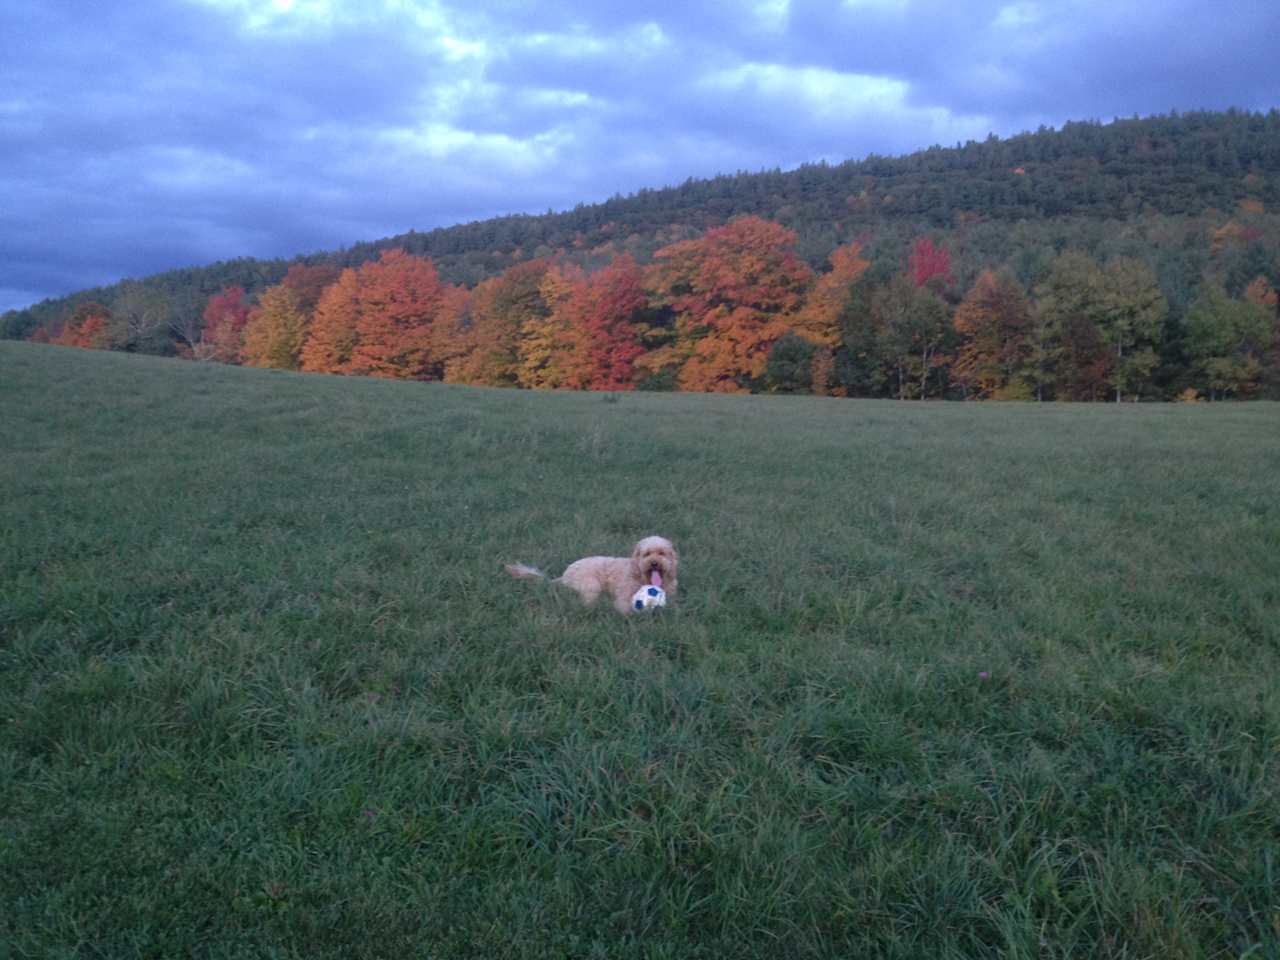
[944,681]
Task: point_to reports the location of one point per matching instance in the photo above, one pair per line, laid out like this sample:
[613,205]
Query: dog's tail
[523,572]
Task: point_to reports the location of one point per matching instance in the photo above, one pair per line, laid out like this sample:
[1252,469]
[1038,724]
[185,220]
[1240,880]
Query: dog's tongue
[655,577]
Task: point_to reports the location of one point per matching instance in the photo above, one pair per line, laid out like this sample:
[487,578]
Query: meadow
[944,680]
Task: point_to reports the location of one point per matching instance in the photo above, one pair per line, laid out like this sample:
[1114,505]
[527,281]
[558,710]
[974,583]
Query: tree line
[739,309]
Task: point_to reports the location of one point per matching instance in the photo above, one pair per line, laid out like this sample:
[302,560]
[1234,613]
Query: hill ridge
[1176,164]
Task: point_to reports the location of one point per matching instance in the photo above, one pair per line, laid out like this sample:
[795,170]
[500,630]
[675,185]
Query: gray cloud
[140,137]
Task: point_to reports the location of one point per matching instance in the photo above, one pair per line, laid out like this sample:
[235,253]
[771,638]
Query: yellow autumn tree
[274,332]
[555,350]
[994,322]
[486,347]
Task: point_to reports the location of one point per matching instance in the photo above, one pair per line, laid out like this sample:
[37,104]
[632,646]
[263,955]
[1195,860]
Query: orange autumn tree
[486,347]
[88,328]
[994,321]
[448,332]
[734,291]
[400,300]
[482,352]
[1261,292]
[279,326]
[332,336]
[382,320]
[819,319]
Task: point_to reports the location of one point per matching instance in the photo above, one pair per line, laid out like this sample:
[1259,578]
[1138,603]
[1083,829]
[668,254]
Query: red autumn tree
[734,291]
[590,339]
[616,298]
[225,317]
[310,283]
[929,265]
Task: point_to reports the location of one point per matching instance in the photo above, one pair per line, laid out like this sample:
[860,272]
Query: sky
[142,135]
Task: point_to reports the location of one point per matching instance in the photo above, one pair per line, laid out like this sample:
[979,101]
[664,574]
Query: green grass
[264,691]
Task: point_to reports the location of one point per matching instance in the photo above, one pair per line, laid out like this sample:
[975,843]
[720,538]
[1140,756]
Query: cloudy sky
[139,135]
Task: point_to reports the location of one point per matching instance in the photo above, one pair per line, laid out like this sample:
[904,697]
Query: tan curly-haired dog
[653,560]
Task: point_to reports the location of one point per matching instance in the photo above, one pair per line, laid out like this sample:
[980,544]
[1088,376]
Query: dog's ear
[672,582]
[635,556]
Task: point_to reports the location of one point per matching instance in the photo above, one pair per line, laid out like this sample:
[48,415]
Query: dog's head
[655,553]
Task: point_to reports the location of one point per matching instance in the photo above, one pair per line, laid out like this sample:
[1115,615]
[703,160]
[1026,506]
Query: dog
[653,561]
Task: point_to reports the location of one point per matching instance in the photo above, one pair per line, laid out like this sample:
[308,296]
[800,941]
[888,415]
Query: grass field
[944,680]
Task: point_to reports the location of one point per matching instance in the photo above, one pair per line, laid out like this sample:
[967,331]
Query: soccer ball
[648,597]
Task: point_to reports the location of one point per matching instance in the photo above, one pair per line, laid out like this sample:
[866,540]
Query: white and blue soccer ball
[648,597]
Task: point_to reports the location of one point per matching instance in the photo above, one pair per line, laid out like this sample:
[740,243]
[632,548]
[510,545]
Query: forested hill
[1077,178]
[1136,259]
[1179,164]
